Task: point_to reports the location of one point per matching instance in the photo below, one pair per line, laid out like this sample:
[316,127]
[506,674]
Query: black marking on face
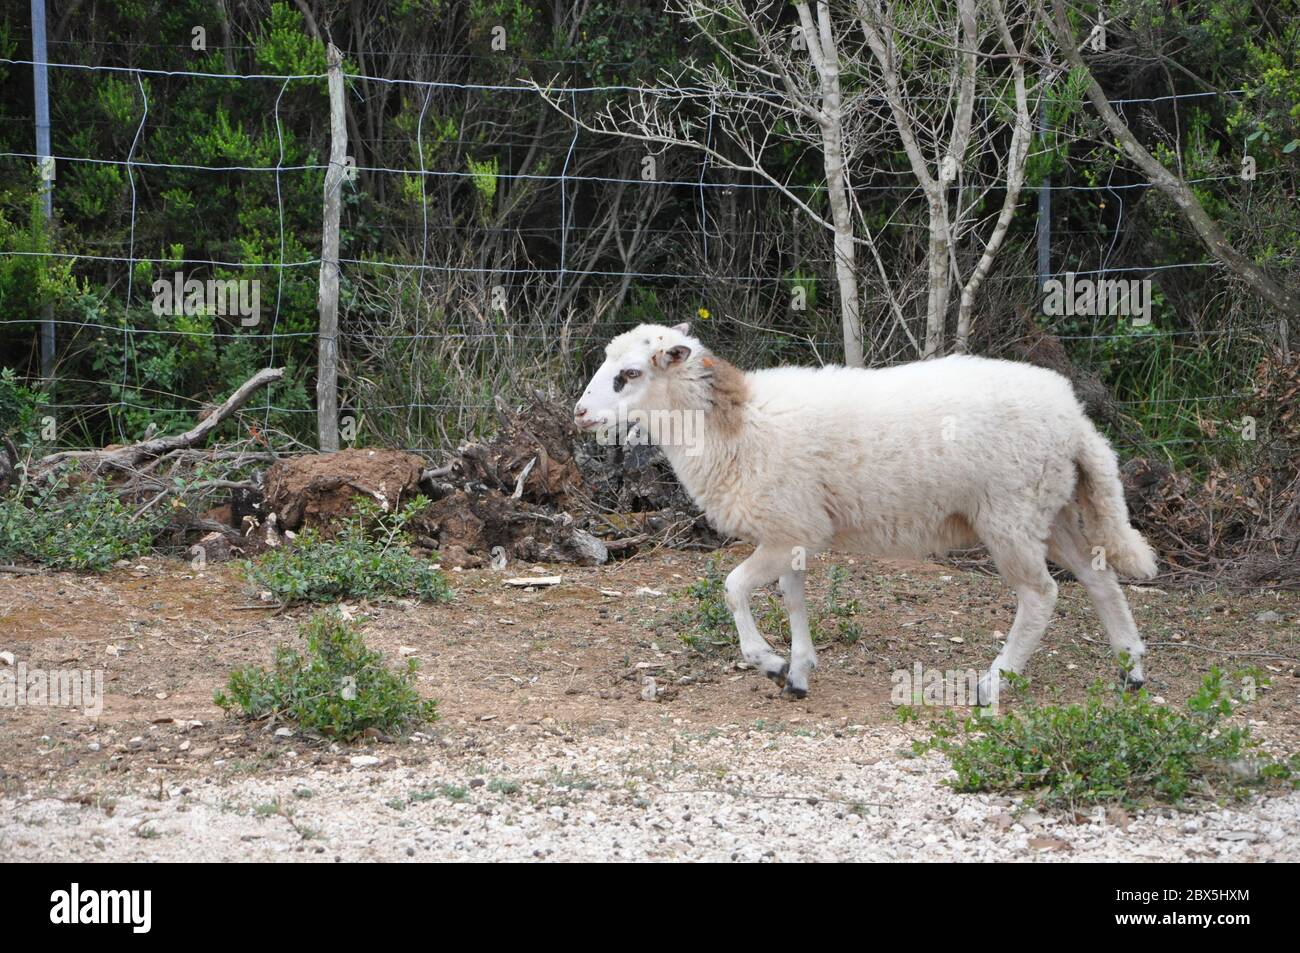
[621,379]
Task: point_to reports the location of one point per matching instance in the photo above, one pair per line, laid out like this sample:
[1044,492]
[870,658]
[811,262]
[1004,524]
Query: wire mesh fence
[454,313]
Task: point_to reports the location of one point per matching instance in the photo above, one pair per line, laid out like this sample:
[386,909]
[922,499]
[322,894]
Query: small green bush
[369,558]
[339,689]
[87,527]
[19,406]
[1114,748]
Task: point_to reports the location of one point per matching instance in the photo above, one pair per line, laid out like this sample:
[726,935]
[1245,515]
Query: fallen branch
[131,456]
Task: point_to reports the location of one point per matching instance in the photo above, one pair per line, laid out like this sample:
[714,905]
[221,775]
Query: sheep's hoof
[792,693]
[778,675]
[988,690]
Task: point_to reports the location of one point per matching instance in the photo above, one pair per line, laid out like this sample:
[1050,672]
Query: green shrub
[339,689]
[370,557]
[1114,748]
[19,406]
[88,527]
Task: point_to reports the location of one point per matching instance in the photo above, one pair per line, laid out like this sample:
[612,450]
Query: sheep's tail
[1105,514]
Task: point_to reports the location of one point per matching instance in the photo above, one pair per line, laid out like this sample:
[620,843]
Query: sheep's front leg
[764,566]
[803,657]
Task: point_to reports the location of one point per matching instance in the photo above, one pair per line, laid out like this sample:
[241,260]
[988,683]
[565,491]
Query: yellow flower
[703,313]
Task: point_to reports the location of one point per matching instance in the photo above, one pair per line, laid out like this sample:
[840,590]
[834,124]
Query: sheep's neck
[715,396]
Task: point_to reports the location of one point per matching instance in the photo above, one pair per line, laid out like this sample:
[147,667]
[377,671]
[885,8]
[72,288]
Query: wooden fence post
[327,368]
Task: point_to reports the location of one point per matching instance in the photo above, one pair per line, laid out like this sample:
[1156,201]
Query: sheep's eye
[623,377]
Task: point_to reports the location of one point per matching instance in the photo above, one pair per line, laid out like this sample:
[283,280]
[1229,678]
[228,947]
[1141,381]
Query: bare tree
[824,53]
[768,85]
[924,77]
[945,137]
[1013,173]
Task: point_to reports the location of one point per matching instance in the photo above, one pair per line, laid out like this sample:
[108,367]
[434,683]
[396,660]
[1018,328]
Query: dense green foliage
[339,689]
[368,558]
[87,527]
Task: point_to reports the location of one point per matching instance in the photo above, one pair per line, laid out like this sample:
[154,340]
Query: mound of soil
[317,491]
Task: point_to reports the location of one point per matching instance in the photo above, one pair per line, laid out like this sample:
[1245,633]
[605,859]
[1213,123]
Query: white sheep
[906,461]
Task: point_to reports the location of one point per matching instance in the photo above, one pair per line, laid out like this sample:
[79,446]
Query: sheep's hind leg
[803,657]
[765,565]
[1068,548]
[1023,564]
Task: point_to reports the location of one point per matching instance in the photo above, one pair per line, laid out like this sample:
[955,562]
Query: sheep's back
[897,452]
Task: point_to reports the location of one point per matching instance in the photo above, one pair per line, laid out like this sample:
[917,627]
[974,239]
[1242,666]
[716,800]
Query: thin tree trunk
[936,306]
[825,56]
[937,253]
[1015,177]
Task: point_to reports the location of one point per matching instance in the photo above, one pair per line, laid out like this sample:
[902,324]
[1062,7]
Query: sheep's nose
[580,413]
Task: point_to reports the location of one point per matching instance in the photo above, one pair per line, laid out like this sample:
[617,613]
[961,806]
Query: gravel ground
[752,793]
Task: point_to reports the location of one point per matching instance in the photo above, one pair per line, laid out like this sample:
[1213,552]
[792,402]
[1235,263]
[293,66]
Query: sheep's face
[633,379]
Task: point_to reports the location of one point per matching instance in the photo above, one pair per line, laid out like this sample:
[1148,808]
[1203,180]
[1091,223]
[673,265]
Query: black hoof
[792,693]
[779,677]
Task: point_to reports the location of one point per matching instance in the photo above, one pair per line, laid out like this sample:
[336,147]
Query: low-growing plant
[1114,748]
[840,609]
[704,621]
[82,527]
[370,557]
[338,689]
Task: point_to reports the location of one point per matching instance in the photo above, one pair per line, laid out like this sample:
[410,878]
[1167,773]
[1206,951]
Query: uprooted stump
[530,458]
[318,491]
[470,529]
[536,491]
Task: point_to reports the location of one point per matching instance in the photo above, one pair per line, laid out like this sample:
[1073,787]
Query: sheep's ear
[683,328]
[673,355]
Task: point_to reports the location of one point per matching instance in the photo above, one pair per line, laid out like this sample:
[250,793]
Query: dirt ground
[547,746]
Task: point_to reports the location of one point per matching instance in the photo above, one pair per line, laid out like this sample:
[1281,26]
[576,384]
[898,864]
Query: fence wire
[568,179]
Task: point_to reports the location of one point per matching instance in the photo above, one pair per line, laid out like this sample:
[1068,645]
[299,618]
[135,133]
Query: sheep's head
[636,378]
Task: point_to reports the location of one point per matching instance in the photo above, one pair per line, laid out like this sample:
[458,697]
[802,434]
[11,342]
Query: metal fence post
[40,84]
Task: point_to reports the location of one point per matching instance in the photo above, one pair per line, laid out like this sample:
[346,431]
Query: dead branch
[128,457]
